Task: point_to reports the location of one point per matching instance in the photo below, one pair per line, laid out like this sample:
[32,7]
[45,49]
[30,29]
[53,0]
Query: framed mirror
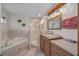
[55,23]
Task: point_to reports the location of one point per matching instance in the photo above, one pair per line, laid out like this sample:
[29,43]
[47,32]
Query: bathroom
[23,24]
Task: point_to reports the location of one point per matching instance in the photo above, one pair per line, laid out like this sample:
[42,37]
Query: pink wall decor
[71,23]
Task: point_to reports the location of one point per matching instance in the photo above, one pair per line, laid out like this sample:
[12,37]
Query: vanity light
[64,8]
[56,7]
[56,13]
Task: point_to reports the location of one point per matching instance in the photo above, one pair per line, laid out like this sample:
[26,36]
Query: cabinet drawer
[46,47]
[52,51]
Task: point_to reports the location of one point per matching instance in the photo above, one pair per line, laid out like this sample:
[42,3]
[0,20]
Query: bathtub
[14,46]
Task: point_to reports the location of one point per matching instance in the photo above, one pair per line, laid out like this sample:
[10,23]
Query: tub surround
[15,49]
[14,46]
[11,45]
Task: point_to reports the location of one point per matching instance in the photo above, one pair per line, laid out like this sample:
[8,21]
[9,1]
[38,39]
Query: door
[34,33]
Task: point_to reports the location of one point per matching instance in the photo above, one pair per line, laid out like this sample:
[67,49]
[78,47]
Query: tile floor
[31,52]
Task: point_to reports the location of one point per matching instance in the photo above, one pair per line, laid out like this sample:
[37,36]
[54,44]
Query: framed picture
[55,23]
[71,23]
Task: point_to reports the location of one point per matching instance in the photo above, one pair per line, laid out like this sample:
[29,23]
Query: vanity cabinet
[57,51]
[45,42]
[44,45]
[51,49]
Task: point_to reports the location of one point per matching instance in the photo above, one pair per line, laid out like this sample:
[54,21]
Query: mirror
[55,23]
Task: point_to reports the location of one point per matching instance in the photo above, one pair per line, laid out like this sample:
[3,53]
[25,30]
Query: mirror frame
[53,19]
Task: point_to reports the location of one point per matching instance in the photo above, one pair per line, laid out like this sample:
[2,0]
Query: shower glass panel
[13,41]
[0,38]
[34,32]
[4,35]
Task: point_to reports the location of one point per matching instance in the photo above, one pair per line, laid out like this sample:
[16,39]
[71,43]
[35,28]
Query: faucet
[50,32]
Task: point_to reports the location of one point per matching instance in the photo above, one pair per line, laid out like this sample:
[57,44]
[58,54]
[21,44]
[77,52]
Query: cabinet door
[42,44]
[52,50]
[47,47]
[57,51]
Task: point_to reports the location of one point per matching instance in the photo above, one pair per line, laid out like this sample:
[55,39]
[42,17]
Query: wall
[0,28]
[4,26]
[43,25]
[69,11]
[12,28]
[15,27]
[13,24]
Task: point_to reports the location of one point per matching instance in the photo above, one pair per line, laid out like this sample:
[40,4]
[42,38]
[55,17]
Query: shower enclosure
[35,32]
[14,41]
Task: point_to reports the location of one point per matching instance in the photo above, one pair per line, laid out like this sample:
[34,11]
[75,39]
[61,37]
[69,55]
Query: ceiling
[27,9]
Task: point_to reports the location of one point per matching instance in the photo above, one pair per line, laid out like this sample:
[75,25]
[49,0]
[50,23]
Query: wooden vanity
[57,51]
[44,45]
[45,42]
[52,45]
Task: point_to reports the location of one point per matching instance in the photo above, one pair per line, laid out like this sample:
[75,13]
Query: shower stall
[35,32]
[14,41]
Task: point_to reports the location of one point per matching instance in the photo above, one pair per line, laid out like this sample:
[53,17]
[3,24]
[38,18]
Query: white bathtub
[13,42]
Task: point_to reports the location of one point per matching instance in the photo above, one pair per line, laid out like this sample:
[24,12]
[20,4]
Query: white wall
[70,10]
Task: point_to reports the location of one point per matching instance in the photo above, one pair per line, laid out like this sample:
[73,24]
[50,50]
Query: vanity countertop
[52,36]
[70,47]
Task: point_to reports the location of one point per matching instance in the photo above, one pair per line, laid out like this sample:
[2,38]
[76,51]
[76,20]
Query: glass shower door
[0,38]
[34,33]
[4,36]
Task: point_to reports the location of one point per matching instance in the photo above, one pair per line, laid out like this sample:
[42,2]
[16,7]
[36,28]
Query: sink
[52,36]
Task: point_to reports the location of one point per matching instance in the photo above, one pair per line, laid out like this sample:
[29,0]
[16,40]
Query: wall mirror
[55,23]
